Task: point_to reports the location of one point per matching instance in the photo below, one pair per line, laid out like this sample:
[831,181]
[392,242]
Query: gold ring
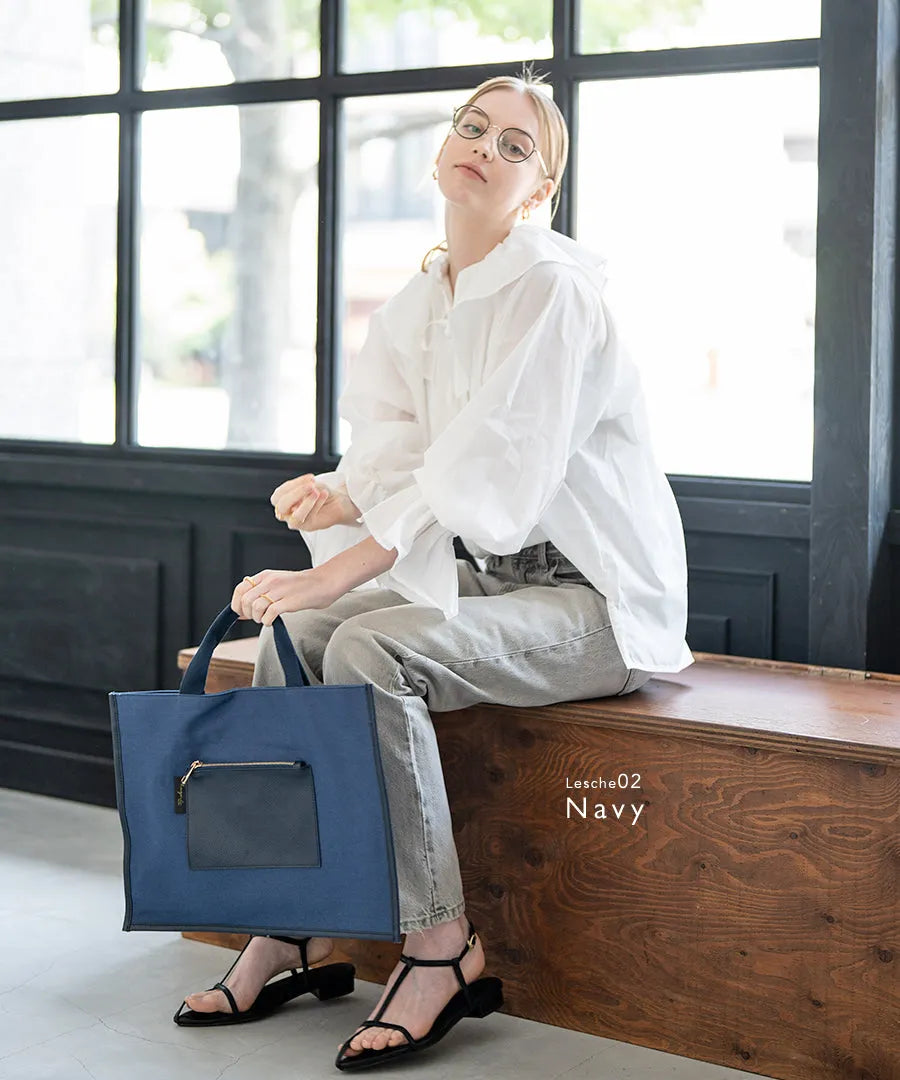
[250,579]
[266,596]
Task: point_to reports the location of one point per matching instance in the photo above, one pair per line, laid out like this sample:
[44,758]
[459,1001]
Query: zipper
[179,792]
[219,764]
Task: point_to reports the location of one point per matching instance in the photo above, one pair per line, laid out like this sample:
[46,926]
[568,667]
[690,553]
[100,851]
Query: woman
[491,401]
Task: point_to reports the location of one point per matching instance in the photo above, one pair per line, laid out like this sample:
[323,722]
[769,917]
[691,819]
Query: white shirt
[507,414]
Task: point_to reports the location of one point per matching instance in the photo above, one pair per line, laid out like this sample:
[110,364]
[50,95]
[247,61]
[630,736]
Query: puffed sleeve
[324,544]
[386,443]
[493,471]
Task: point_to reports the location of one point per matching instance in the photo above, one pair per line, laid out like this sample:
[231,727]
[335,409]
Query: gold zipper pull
[187,775]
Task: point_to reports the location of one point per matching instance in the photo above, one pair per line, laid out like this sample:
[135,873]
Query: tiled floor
[79,998]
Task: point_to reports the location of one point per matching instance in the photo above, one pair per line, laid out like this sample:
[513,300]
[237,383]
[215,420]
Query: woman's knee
[344,654]
[356,653]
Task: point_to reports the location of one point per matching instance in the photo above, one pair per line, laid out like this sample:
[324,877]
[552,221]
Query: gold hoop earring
[526,212]
[434,175]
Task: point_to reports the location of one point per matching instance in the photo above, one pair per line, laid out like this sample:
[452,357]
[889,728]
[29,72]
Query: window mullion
[130,37]
[849,575]
[328,335]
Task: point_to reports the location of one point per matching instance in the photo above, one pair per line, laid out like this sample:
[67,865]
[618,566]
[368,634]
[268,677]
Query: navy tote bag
[259,810]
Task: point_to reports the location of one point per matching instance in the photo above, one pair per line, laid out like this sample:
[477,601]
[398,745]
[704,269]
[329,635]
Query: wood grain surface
[742,909]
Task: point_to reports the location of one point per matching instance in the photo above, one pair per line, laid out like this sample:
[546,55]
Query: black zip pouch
[250,814]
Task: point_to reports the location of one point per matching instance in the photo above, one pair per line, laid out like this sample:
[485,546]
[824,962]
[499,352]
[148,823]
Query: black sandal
[477,998]
[327,981]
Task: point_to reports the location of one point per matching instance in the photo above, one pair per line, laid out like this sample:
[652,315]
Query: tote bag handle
[194,680]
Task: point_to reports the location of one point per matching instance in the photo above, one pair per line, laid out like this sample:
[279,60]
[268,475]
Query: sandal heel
[336,983]
[488,996]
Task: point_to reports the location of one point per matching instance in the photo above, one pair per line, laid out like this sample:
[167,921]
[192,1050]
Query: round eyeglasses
[514,144]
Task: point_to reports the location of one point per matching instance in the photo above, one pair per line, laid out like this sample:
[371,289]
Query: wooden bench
[740,907]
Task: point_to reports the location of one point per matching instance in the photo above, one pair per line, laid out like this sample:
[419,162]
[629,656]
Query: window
[58,278]
[273,198]
[205,44]
[229,216]
[64,49]
[425,33]
[680,24]
[702,194]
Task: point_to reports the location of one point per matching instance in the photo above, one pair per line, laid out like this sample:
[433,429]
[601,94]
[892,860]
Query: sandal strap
[221,985]
[301,942]
[406,970]
[236,961]
[453,961]
[408,963]
[470,944]
[383,1024]
[228,994]
[290,940]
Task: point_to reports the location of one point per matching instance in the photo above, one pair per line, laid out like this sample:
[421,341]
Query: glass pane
[378,37]
[393,209]
[58,48]
[679,24]
[702,192]
[58,182]
[229,237]
[212,42]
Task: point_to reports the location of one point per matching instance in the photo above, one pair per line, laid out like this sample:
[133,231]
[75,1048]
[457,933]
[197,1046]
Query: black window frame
[848,513]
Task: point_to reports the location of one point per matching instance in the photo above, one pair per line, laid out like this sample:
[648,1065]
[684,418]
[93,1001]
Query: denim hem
[441,915]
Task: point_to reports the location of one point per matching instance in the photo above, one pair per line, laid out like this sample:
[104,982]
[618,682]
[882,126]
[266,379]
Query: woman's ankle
[441,936]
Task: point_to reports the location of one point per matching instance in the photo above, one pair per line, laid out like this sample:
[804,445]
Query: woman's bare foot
[262,960]
[425,990]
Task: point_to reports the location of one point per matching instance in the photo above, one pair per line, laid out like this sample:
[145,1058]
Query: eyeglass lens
[513,143]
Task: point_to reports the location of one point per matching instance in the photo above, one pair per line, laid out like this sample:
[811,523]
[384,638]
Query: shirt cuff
[428,574]
[399,520]
[424,571]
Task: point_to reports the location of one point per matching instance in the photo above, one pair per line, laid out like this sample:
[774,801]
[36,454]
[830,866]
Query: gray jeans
[531,630]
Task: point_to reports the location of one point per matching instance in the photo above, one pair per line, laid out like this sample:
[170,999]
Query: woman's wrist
[353,513]
[357,564]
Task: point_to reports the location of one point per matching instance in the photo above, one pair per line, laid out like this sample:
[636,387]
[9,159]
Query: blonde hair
[553,133]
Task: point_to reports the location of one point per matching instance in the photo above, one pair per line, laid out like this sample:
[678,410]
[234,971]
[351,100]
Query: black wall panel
[745,600]
[94,601]
[48,641]
[112,558]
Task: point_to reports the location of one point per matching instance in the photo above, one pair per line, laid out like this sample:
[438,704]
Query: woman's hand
[303,504]
[273,592]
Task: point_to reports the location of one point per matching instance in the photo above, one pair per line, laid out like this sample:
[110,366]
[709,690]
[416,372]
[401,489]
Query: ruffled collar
[523,247]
